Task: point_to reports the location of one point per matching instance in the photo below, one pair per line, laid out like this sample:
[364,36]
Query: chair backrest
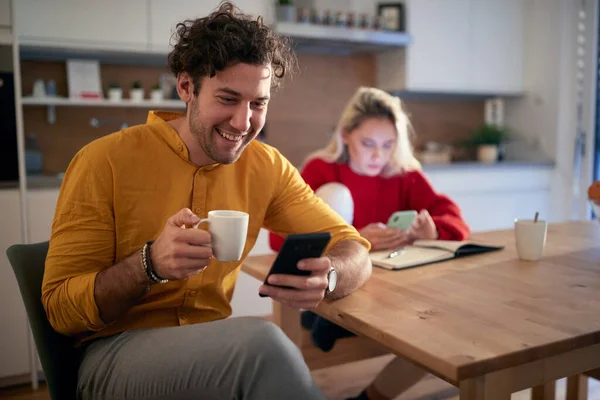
[60,359]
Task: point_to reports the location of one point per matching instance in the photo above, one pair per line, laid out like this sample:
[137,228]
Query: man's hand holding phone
[300,275]
[300,291]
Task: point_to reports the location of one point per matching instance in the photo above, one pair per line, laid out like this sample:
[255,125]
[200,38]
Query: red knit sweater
[377,198]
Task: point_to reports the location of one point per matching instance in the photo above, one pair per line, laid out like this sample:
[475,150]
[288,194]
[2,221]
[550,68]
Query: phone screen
[402,219]
[296,248]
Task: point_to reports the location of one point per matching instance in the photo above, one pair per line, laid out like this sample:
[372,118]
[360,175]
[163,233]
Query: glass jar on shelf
[377,22]
[341,18]
[304,16]
[364,22]
[350,20]
[327,19]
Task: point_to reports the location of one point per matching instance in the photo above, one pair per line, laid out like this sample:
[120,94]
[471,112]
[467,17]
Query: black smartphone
[296,248]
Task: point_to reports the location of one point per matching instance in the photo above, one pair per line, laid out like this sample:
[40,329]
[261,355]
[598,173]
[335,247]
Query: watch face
[332,280]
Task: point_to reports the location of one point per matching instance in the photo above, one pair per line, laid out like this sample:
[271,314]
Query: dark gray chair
[60,360]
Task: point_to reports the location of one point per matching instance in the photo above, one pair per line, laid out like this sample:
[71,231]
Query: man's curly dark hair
[225,37]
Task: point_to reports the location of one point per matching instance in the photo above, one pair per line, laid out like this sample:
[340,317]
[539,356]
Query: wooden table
[489,324]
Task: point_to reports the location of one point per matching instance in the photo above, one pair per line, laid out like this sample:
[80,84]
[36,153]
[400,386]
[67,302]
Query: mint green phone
[402,219]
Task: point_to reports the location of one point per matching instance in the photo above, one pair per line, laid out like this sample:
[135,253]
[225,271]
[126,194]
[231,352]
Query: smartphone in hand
[296,248]
[402,219]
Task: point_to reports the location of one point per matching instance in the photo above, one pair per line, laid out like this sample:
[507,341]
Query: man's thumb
[185,216]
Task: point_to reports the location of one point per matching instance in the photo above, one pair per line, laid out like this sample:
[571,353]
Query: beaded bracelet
[147,263]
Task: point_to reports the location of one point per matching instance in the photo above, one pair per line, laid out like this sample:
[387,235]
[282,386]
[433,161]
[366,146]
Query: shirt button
[180,147]
[198,210]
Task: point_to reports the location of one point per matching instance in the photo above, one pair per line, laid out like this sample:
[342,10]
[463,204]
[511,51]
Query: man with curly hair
[130,280]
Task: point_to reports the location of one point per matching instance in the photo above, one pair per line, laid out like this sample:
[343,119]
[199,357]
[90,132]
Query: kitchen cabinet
[264,8]
[498,210]
[4,13]
[110,24]
[147,26]
[436,59]
[245,300]
[491,197]
[496,50]
[163,16]
[460,46]
[14,331]
[41,204]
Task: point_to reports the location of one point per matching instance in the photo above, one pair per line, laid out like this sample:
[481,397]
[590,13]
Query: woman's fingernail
[301,264]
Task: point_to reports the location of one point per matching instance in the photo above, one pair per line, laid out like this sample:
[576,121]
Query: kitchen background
[301,115]
[447,59]
[444,112]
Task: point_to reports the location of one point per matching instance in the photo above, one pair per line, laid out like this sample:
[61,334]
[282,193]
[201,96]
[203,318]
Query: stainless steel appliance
[8,130]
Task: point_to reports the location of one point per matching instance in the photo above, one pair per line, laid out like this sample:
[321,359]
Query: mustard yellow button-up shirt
[118,193]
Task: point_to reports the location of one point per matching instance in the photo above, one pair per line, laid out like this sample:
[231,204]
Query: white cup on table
[530,238]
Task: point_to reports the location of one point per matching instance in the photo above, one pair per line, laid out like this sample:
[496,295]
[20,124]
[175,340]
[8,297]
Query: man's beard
[207,141]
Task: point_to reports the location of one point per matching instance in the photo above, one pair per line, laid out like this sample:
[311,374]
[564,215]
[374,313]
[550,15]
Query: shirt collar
[170,136]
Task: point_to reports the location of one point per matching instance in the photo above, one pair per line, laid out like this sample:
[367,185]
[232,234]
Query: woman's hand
[423,228]
[381,237]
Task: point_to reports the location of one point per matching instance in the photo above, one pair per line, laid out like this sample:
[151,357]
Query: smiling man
[221,120]
[137,288]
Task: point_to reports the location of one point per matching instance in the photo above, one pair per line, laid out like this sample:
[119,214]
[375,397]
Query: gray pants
[236,358]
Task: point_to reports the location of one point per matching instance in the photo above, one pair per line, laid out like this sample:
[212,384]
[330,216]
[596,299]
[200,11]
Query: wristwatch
[331,281]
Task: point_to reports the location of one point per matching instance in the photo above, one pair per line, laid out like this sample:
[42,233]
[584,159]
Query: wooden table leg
[577,387]
[480,389]
[288,319]
[546,391]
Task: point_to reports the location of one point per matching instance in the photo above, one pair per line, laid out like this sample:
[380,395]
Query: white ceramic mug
[530,238]
[228,230]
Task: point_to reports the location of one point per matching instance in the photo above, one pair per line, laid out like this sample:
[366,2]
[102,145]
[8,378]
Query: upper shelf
[335,39]
[38,50]
[305,37]
[63,101]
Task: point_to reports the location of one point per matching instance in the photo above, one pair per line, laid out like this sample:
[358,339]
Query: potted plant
[156,94]
[286,11]
[137,91]
[488,138]
[115,93]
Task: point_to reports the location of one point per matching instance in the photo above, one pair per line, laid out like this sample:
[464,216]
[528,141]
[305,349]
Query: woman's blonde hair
[372,103]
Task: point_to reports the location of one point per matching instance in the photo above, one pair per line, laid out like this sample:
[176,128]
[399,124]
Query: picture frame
[392,16]
[83,79]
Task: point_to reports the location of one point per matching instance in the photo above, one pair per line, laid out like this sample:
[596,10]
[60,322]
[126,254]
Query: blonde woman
[366,173]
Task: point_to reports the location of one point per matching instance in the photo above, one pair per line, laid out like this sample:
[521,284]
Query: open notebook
[423,252]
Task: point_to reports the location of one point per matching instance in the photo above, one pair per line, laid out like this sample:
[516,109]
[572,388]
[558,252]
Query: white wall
[546,114]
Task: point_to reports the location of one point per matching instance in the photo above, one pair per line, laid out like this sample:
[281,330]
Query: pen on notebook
[396,252]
